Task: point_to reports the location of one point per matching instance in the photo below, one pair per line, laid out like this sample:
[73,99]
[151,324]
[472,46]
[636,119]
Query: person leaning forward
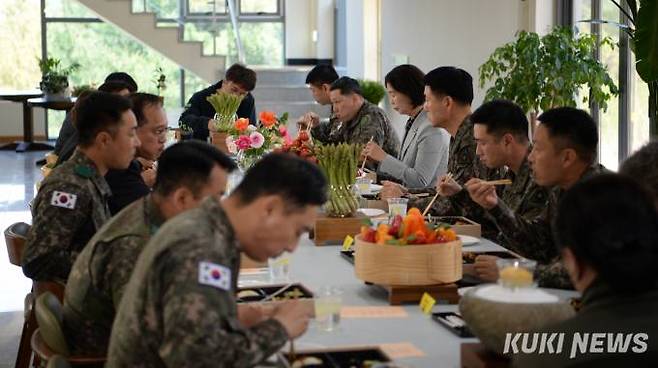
[71,204]
[188,172]
[179,306]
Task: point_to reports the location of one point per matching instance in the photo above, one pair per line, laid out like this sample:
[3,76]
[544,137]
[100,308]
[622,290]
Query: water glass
[328,302]
[397,206]
[363,185]
[279,268]
[516,273]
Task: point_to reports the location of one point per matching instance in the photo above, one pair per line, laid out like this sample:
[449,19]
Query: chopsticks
[363,165]
[291,354]
[277,292]
[446,178]
[498,182]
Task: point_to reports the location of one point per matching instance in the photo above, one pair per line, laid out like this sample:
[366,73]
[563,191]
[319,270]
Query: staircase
[166,40]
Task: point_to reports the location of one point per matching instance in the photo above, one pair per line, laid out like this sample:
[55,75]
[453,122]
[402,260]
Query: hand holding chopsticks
[445,179]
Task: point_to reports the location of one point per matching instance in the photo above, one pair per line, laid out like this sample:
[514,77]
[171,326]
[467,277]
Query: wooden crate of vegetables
[408,251]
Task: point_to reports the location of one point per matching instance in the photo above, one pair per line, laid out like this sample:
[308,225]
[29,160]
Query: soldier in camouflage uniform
[565,147]
[103,268]
[72,202]
[501,134]
[179,306]
[355,120]
[448,97]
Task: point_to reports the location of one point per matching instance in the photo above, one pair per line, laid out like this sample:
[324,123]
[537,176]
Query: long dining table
[319,266]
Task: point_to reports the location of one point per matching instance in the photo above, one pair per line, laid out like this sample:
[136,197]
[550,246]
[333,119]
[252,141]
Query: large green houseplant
[54,77]
[544,72]
[643,33]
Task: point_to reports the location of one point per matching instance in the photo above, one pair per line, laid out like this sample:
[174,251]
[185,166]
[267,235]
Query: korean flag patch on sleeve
[214,275]
[63,199]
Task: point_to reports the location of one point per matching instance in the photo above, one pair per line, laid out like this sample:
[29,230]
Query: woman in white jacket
[423,155]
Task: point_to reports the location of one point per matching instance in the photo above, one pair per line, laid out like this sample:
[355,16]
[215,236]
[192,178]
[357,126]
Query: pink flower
[243,142]
[230,144]
[257,140]
[283,131]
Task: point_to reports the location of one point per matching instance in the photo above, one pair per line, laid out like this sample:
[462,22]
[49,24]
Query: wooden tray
[333,230]
[408,265]
[412,294]
[263,292]
[340,357]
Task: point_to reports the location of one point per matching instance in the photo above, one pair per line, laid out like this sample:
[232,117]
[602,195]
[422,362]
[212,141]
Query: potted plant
[373,91]
[226,105]
[643,33]
[545,72]
[55,78]
[160,80]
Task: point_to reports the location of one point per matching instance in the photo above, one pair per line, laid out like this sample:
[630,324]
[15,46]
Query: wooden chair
[15,236]
[49,340]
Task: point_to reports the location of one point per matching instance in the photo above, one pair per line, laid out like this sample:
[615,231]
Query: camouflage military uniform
[101,272]
[524,197]
[179,306]
[69,208]
[463,164]
[370,122]
[532,237]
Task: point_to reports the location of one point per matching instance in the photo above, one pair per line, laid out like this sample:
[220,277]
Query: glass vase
[342,201]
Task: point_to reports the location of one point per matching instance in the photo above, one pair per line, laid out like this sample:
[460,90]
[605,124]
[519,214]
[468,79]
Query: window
[609,119]
[206,7]
[259,7]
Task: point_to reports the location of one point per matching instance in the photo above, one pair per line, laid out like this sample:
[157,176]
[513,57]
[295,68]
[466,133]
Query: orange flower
[267,118]
[241,124]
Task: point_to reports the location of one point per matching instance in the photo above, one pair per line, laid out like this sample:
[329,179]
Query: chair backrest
[57,361]
[15,237]
[48,311]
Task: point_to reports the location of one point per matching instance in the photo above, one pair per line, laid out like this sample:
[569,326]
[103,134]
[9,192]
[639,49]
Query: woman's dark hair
[610,223]
[408,80]
[97,112]
[297,181]
[188,164]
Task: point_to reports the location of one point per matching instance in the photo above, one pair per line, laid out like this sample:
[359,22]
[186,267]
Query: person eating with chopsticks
[501,133]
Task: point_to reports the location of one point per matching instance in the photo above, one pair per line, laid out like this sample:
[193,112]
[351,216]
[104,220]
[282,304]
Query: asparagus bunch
[339,163]
[225,105]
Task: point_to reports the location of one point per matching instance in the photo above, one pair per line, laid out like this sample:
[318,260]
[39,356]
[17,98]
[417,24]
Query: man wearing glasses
[137,180]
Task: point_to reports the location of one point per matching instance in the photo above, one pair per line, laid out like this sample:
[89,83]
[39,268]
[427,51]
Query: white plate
[372,189]
[468,240]
[372,212]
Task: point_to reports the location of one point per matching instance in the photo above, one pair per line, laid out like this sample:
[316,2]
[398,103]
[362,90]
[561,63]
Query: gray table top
[323,266]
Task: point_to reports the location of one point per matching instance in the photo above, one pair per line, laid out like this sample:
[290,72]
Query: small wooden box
[464,226]
[333,230]
[414,265]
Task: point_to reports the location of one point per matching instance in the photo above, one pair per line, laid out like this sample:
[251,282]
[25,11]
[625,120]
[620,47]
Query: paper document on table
[401,350]
[373,312]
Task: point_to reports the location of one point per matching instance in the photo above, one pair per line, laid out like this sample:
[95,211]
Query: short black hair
[573,128]
[502,117]
[321,74]
[125,78]
[407,79]
[188,164]
[346,86]
[451,81]
[140,101]
[642,166]
[98,112]
[298,181]
[241,75]
[610,223]
[114,86]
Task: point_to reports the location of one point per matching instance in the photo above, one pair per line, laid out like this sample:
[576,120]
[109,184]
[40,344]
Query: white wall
[355,40]
[432,33]
[302,18]
[11,120]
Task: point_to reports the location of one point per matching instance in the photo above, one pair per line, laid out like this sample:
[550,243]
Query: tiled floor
[18,174]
